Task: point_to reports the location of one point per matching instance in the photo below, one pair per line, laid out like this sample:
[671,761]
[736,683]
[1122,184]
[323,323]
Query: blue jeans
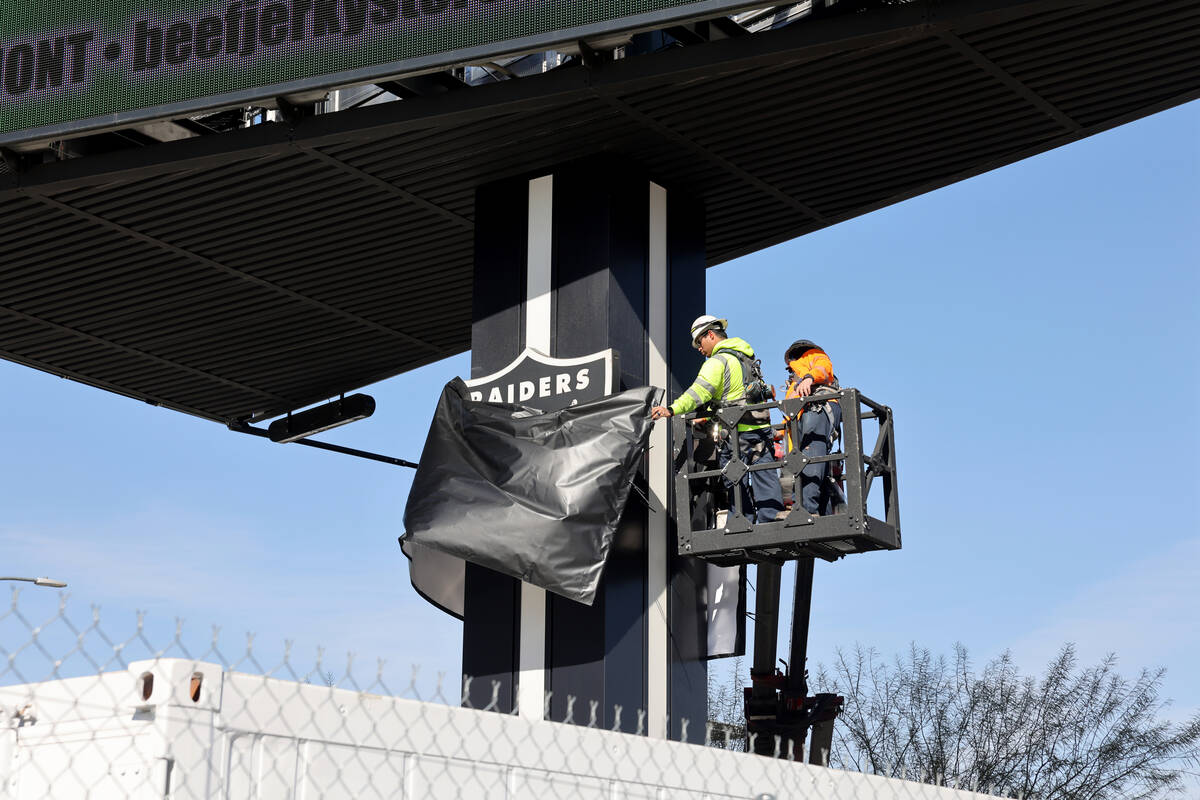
[760,489]
[816,493]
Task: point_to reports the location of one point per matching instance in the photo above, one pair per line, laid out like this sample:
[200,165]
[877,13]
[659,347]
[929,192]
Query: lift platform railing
[731,538]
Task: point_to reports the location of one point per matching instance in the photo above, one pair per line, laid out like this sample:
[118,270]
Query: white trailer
[186,730]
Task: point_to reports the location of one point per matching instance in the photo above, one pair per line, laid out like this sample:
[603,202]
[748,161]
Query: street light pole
[40,582]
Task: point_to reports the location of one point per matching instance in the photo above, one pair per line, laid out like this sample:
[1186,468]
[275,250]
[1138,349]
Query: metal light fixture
[342,411]
[40,582]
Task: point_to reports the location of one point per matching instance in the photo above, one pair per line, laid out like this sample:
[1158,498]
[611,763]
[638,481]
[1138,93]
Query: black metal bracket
[16,162]
[591,57]
[293,113]
[239,426]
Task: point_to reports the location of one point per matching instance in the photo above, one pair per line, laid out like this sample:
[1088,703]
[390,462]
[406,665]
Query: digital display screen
[74,65]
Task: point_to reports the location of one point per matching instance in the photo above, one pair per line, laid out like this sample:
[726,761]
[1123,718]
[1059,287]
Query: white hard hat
[704,323]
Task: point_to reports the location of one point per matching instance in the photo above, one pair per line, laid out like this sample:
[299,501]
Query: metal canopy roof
[249,273]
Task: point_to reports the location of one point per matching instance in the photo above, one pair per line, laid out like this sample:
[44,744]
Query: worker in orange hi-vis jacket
[810,371]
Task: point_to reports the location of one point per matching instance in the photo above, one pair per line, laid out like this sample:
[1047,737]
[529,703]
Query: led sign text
[98,63]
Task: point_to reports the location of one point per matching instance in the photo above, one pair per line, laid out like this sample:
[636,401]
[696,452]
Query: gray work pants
[817,493]
[762,499]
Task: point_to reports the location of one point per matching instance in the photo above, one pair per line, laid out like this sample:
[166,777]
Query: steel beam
[1020,89]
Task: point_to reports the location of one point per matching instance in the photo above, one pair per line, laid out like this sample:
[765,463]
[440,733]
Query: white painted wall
[250,737]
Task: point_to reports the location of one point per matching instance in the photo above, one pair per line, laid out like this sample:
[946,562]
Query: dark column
[491,601]
[600,258]
[686,597]
[600,279]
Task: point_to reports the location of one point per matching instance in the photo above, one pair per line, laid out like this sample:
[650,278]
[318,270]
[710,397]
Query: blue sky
[1035,330]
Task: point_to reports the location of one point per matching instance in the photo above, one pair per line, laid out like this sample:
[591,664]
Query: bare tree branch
[1073,734]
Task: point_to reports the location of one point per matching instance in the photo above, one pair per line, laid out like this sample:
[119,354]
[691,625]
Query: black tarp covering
[533,495]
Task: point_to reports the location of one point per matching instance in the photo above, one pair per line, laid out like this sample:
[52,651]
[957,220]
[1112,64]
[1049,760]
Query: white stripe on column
[657,531]
[531,684]
[537,280]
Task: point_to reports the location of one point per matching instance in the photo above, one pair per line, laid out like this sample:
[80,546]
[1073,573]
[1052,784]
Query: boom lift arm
[779,710]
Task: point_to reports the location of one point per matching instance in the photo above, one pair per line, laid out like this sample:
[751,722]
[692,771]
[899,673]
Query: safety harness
[826,409]
[755,388]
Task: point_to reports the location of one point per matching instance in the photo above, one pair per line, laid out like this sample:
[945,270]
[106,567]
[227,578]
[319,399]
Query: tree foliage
[726,715]
[1075,733]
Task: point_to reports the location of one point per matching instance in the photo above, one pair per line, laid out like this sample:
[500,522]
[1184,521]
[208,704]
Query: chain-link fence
[85,717]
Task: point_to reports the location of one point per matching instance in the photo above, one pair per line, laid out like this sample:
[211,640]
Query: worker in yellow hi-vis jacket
[730,376]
